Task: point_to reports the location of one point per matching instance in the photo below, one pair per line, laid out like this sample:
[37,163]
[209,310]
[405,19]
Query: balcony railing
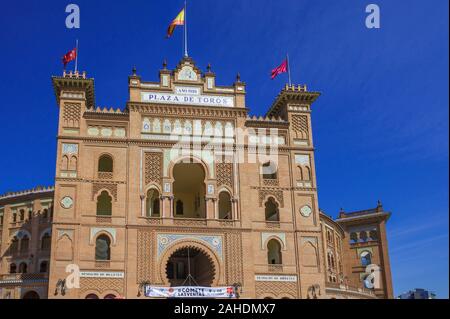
[103,219]
[275,268]
[17,278]
[190,221]
[273,224]
[102,264]
[350,289]
[105,175]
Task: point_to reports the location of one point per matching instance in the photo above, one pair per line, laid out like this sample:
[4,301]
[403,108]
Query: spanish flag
[179,20]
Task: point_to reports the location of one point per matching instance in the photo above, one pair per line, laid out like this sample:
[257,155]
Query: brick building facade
[183,180]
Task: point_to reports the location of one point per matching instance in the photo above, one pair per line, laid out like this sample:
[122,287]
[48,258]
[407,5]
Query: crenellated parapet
[74,86]
[35,190]
[292,98]
[266,122]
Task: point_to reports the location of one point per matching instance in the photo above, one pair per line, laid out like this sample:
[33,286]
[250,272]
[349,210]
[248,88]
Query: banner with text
[187,99]
[190,292]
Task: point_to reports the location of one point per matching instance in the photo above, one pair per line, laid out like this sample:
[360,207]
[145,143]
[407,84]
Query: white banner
[190,292]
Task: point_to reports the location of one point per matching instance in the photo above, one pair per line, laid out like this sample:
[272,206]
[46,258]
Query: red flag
[283,68]
[69,56]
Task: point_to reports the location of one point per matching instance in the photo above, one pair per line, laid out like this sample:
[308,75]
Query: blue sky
[380,127]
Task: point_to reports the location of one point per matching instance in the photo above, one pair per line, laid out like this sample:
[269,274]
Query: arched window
[105,164]
[73,163]
[366,258]
[14,217]
[104,204]
[272,213]
[363,236]
[353,238]
[15,245]
[189,189]
[64,163]
[46,241]
[304,172]
[152,203]
[179,207]
[307,173]
[43,267]
[92,296]
[300,172]
[274,252]
[102,248]
[24,243]
[110,296]
[225,206]
[23,268]
[12,268]
[373,235]
[269,170]
[22,215]
[329,236]
[30,214]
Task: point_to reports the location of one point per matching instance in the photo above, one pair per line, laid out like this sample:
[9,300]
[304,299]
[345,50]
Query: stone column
[216,208]
[171,198]
[209,205]
[161,206]
[142,196]
[234,209]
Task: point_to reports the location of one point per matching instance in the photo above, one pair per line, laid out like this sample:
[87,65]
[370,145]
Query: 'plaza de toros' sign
[187,96]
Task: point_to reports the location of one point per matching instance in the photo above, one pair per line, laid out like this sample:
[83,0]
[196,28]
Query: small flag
[179,20]
[283,68]
[69,56]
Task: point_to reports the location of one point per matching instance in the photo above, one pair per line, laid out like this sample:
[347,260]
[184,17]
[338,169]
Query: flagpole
[289,69]
[185,29]
[76,58]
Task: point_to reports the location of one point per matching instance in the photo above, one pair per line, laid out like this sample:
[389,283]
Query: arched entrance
[189,190]
[31,295]
[193,261]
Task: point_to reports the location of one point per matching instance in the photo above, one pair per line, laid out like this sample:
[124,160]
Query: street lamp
[61,286]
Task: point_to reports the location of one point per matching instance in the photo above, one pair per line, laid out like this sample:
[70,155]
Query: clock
[187,74]
[66,202]
[306,211]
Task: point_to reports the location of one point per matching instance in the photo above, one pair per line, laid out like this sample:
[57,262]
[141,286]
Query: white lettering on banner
[190,292]
[276,278]
[101,274]
[187,99]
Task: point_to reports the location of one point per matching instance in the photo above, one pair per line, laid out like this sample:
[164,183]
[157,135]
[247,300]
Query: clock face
[66,202]
[306,211]
[187,74]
